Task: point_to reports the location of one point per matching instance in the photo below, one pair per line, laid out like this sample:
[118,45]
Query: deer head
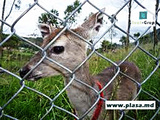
[68,49]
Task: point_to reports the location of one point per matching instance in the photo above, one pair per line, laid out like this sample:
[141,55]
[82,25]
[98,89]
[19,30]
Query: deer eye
[57,49]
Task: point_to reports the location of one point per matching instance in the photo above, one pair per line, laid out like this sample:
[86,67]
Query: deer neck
[81,96]
[83,74]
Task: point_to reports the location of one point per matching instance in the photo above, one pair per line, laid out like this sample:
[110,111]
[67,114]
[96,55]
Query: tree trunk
[154,28]
[1,27]
[129,25]
[1,50]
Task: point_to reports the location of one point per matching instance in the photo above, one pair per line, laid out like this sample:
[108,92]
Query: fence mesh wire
[22,82]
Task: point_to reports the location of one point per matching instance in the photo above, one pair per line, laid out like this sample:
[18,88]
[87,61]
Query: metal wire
[93,51]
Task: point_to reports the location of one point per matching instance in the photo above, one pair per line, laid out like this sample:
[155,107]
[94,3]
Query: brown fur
[81,96]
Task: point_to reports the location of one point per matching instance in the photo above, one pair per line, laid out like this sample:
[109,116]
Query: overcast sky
[28,24]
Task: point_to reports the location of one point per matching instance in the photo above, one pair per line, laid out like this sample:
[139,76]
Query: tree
[145,39]
[70,9]
[114,46]
[47,18]
[105,45]
[12,43]
[17,5]
[154,28]
[129,25]
[136,35]
[123,40]
[1,27]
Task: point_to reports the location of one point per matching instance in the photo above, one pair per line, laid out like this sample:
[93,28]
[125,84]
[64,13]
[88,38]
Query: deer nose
[24,71]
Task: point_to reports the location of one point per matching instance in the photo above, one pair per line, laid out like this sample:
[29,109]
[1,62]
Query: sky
[27,26]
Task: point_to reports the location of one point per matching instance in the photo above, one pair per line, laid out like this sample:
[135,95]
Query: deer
[70,50]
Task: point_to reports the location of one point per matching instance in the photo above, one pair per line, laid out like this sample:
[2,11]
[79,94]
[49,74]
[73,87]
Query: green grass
[146,65]
[29,105]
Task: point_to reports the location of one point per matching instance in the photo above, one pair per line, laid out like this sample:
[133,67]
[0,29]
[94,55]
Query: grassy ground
[29,105]
[146,65]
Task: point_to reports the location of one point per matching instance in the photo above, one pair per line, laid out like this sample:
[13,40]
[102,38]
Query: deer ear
[94,23]
[45,29]
[99,20]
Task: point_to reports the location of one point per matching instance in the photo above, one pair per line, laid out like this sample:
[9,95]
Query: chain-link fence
[6,112]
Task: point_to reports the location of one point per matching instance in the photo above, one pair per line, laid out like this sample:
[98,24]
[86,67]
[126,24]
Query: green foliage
[137,35]
[50,19]
[145,39]
[123,40]
[29,105]
[106,46]
[146,65]
[13,42]
[38,41]
[70,9]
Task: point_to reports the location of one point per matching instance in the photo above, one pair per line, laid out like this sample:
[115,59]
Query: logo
[145,18]
[143,15]
[130,105]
